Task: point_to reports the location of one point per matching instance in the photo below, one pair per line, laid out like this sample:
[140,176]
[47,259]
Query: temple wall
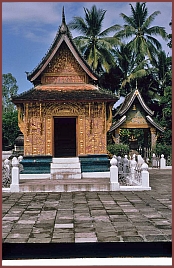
[37,126]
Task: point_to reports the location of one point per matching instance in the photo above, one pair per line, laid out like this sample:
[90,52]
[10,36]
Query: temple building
[135,114]
[65,114]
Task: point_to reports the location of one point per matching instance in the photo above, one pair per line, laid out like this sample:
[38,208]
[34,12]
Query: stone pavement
[73,217]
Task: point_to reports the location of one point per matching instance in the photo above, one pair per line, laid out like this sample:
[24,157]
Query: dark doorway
[64,137]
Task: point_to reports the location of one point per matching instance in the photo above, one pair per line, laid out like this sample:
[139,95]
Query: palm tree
[94,44]
[138,29]
[163,70]
[130,68]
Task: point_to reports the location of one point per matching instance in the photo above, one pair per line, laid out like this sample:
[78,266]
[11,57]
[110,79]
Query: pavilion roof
[118,123]
[65,93]
[129,101]
[121,115]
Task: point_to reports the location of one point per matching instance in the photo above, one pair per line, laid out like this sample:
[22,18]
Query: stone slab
[66,225]
[85,239]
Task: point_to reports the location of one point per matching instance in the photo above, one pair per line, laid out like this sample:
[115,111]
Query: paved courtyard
[90,216]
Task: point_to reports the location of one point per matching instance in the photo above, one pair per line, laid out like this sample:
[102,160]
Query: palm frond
[111,41]
[133,76]
[109,30]
[128,20]
[150,19]
[79,24]
[157,30]
[154,41]
[128,31]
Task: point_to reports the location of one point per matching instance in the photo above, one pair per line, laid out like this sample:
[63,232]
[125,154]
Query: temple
[65,114]
[135,114]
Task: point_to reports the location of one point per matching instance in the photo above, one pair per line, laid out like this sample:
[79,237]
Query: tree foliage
[95,44]
[138,28]
[170,37]
[9,89]
[10,127]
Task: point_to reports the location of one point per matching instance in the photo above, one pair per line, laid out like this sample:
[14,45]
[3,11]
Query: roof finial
[136,83]
[63,27]
[63,15]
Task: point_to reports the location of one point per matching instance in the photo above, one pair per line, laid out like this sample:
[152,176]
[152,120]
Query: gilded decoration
[95,126]
[81,136]
[31,123]
[21,122]
[36,121]
[135,117]
[64,68]
[109,117]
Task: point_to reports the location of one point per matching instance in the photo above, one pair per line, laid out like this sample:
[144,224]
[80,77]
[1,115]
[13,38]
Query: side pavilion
[135,114]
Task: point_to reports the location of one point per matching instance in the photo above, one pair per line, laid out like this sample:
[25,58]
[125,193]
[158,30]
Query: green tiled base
[36,164]
[94,163]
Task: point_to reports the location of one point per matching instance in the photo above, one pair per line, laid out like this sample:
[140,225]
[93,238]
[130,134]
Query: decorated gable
[63,68]
[135,116]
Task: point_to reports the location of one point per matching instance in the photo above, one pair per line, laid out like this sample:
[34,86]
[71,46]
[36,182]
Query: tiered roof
[67,91]
[120,115]
[62,93]
[129,101]
[63,35]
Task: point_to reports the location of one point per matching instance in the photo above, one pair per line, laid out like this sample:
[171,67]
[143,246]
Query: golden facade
[36,122]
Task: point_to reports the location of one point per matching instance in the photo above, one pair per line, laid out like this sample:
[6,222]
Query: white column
[14,187]
[162,162]
[114,184]
[133,165]
[145,175]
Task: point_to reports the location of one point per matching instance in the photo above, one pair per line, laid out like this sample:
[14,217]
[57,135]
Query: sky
[29,28]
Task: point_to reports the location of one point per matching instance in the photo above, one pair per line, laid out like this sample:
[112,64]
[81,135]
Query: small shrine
[135,114]
[65,114]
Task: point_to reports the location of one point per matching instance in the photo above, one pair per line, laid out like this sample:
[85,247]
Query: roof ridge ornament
[136,89]
[63,15]
[136,84]
[63,27]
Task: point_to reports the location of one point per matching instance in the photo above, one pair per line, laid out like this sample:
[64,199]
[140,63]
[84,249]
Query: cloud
[37,21]
[29,12]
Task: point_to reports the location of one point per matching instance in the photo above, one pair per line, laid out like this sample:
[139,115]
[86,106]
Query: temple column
[153,137]
[117,136]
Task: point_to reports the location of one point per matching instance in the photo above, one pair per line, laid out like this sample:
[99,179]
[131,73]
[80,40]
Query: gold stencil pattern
[63,68]
[38,127]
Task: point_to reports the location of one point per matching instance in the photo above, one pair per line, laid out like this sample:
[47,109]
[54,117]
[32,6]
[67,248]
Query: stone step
[65,165]
[63,160]
[66,175]
[64,185]
[65,168]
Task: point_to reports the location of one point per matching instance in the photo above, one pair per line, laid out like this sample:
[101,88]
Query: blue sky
[29,28]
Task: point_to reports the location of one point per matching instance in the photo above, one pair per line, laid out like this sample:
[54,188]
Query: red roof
[68,93]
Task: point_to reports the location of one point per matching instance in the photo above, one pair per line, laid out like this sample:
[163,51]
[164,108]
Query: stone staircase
[65,168]
[66,176]
[45,185]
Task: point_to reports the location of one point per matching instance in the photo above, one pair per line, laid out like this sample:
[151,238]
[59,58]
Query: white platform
[97,175]
[65,168]
[35,176]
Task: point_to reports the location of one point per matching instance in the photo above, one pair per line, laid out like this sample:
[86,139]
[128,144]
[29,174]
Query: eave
[118,123]
[67,93]
[129,101]
[156,125]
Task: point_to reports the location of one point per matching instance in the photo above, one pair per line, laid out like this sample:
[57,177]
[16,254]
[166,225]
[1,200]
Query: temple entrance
[64,137]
